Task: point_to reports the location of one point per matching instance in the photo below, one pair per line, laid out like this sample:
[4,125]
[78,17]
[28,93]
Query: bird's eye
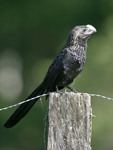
[84,30]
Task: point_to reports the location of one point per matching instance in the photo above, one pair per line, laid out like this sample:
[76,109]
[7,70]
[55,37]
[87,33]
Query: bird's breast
[74,63]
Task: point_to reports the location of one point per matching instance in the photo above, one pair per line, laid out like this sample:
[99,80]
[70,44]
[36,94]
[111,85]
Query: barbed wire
[24,101]
[101,96]
[43,95]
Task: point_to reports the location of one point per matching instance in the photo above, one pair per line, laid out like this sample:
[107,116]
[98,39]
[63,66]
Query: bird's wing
[55,73]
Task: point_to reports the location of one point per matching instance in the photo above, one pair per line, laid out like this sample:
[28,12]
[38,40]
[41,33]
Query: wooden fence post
[69,121]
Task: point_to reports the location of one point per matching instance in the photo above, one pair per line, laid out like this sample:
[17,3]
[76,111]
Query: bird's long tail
[23,109]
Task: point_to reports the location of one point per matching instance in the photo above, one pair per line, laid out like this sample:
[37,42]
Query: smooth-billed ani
[63,70]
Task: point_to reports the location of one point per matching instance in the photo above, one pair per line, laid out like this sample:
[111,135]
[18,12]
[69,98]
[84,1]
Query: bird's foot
[73,90]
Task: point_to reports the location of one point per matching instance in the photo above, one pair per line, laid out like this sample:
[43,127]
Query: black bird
[63,70]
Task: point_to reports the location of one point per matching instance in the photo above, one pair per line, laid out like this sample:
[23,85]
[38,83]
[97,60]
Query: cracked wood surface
[69,121]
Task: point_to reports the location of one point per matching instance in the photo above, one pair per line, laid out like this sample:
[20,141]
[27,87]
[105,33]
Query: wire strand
[94,95]
[24,101]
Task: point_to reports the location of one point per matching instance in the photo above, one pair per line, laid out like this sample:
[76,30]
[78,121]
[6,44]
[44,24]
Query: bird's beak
[91,29]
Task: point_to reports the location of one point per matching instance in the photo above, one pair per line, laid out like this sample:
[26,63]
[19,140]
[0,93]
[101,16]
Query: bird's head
[83,31]
[80,34]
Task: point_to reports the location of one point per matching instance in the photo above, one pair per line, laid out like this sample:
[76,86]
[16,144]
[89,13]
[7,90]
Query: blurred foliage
[31,35]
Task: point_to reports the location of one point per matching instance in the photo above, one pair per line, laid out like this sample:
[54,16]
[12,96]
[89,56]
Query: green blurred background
[31,35]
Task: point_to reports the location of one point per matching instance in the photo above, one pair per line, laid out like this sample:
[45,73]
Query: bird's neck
[71,42]
[75,46]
